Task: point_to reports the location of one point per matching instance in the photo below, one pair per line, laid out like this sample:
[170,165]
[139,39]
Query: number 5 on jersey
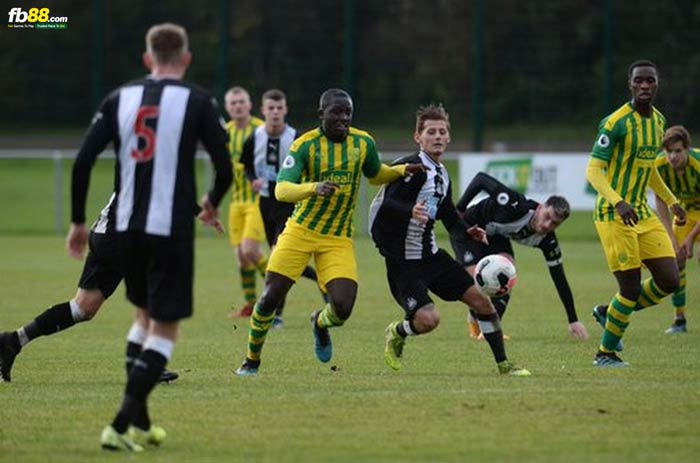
[145,134]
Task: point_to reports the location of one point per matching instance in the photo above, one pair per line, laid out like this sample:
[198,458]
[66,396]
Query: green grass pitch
[448,404]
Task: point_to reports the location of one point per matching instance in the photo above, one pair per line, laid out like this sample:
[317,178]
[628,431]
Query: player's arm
[447,213]
[290,188]
[665,217]
[480,182]
[213,135]
[379,173]
[98,136]
[248,157]
[662,191]
[552,254]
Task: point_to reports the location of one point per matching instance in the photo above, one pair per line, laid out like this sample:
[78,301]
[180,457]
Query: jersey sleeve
[371,166]
[294,163]
[248,157]
[605,142]
[551,250]
[480,182]
[212,133]
[99,134]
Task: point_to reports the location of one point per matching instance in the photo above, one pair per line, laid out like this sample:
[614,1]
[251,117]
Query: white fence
[538,175]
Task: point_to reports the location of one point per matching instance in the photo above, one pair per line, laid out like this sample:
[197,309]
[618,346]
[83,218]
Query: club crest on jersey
[603,141]
[468,257]
[354,154]
[502,198]
[411,303]
[288,162]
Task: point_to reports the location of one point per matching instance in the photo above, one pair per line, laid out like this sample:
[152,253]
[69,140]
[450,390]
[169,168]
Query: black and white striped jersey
[105,222]
[262,156]
[155,125]
[505,212]
[393,229]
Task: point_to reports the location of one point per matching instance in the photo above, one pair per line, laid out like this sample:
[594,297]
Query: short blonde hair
[166,42]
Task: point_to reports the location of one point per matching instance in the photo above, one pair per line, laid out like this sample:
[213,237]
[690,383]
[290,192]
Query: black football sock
[490,326]
[52,320]
[500,304]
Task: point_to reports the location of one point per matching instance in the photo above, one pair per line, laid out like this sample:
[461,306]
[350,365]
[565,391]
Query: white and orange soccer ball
[495,275]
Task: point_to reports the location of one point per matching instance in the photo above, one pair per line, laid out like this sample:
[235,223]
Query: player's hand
[412,169]
[578,331]
[77,240]
[629,217]
[258,184]
[478,234]
[211,221]
[679,213]
[420,212]
[209,215]
[326,188]
[687,247]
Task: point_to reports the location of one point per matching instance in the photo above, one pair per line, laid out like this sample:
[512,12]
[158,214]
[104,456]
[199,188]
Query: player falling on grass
[101,275]
[246,230]
[679,167]
[322,175]
[507,216]
[402,220]
[620,169]
[262,157]
[155,125]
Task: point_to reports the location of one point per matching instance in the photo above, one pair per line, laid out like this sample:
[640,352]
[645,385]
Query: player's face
[434,137]
[677,155]
[545,220]
[336,118]
[274,112]
[644,84]
[238,105]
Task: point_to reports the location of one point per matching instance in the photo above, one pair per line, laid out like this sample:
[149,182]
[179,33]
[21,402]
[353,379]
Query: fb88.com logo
[41,15]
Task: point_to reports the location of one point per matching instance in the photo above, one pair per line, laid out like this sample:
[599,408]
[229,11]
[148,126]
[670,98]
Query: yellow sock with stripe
[261,265]
[258,326]
[650,295]
[616,323]
[248,283]
[327,318]
[679,296]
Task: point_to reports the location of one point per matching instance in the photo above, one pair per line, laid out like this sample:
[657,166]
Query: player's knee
[669,283]
[89,303]
[426,319]
[342,307]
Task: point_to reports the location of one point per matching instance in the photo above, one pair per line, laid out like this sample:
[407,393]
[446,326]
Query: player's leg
[56,318]
[337,272]
[420,316]
[253,237]
[678,299]
[288,259]
[236,224]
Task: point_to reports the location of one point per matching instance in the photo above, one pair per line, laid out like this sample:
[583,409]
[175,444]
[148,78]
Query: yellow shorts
[626,247]
[334,256]
[245,222]
[681,231]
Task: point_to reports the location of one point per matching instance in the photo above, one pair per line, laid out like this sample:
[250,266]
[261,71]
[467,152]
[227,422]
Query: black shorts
[274,214]
[158,272]
[411,280]
[102,269]
[469,252]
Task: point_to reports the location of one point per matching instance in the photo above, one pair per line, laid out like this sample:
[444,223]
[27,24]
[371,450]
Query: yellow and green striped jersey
[242,191]
[686,185]
[628,143]
[314,158]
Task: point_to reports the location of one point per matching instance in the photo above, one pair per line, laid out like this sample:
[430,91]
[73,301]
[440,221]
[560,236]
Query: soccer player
[679,167]
[101,275]
[246,230]
[620,169]
[262,157]
[402,220]
[321,174]
[507,216]
[154,124]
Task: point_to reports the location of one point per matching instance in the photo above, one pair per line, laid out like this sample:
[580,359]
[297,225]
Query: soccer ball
[495,275]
